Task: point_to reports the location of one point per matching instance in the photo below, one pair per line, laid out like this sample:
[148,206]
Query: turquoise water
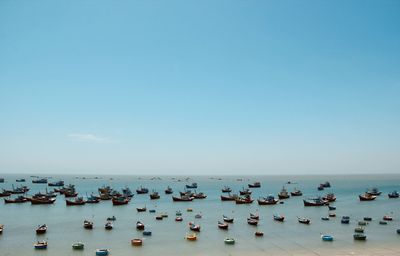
[65,223]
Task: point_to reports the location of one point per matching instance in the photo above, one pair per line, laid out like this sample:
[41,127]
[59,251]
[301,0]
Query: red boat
[329,197]
[20,199]
[245,200]
[77,201]
[182,199]
[5,193]
[42,200]
[139,225]
[120,200]
[200,195]
[194,227]
[367,197]
[41,229]
[229,198]
[70,194]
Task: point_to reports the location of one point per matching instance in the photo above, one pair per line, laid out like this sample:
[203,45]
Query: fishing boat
[182,199]
[108,225]
[198,216]
[362,223]
[252,222]
[366,197]
[40,181]
[88,224]
[40,245]
[139,225]
[359,237]
[105,189]
[141,209]
[113,218]
[367,218]
[42,200]
[254,216]
[193,185]
[269,200]
[5,193]
[189,210]
[1,228]
[394,194]
[331,208]
[120,200]
[154,195]
[191,237]
[345,220]
[137,242]
[169,190]
[245,192]
[41,229]
[59,183]
[296,192]
[200,195]
[78,246]
[259,233]
[373,192]
[229,197]
[387,217]
[332,214]
[178,218]
[359,230]
[70,193]
[283,194]
[244,200]
[304,220]
[326,184]
[178,213]
[147,233]
[126,192]
[76,201]
[102,252]
[142,190]
[330,197]
[278,217]
[19,190]
[229,241]
[92,199]
[159,217]
[222,225]
[194,227]
[19,199]
[315,202]
[20,180]
[227,219]
[327,238]
[164,215]
[226,189]
[255,185]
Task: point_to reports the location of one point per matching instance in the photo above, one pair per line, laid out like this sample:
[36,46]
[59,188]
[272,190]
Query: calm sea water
[290,237]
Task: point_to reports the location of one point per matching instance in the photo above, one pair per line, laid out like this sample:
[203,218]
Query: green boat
[229,241]
[78,246]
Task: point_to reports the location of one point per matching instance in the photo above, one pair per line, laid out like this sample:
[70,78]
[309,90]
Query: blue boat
[102,252]
[152,211]
[327,238]
[41,245]
[147,233]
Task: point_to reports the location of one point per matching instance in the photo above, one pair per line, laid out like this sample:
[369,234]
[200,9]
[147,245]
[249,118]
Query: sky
[227,87]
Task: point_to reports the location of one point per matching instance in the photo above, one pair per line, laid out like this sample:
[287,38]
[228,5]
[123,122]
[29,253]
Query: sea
[65,223]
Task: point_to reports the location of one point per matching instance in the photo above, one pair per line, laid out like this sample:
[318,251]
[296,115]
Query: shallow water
[65,223]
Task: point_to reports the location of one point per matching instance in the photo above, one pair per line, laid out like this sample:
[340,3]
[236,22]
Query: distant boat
[296,192]
[331,208]
[229,197]
[227,219]
[59,183]
[359,230]
[373,192]
[278,217]
[139,225]
[108,225]
[345,220]
[366,197]
[360,237]
[200,195]
[102,252]
[321,187]
[244,200]
[19,199]
[255,185]
[142,190]
[141,209]
[223,225]
[254,216]
[42,200]
[78,246]
[324,218]
[120,200]
[193,185]
[40,181]
[259,233]
[387,217]
[315,202]
[20,180]
[367,218]
[191,237]
[147,233]
[330,197]
[76,201]
[304,220]
[1,228]
[41,229]
[194,227]
[332,214]
[169,190]
[252,222]
[113,218]
[269,200]
[326,184]
[178,218]
[327,238]
[226,189]
[137,242]
[154,195]
[283,194]
[394,194]
[245,192]
[5,193]
[1,180]
[229,241]
[182,199]
[40,245]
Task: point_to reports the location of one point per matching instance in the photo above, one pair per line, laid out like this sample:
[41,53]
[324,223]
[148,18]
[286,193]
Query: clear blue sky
[200,87]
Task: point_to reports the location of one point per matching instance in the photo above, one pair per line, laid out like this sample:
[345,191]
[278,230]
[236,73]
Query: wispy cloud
[88,137]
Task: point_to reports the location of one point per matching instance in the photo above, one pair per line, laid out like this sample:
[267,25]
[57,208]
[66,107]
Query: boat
[40,245]
[5,193]
[159,217]
[194,227]
[182,199]
[227,219]
[20,199]
[229,241]
[20,180]
[332,214]
[193,185]
[152,210]
[78,246]
[327,238]
[296,192]
[108,225]
[269,200]
[189,210]
[42,200]
[359,230]
[141,209]
[178,213]
[139,225]
[229,197]
[126,192]
[191,237]
[59,183]
[154,195]
[1,228]
[255,185]
[387,217]
[330,197]
[254,216]
[178,218]
[70,193]
[198,216]
[40,181]
[19,190]
[120,200]
[359,237]
[102,252]
[222,225]
[373,192]
[278,217]
[394,194]
[366,197]
[259,233]
[367,218]
[320,187]
[382,222]
[244,200]
[331,208]
[325,218]
[283,194]
[200,195]
[142,190]
[137,242]
[245,192]
[315,202]
[226,189]
[345,220]
[252,222]
[88,224]
[1,180]
[147,233]
[304,220]
[76,201]
[326,184]
[113,218]
[362,223]
[169,190]
[92,199]
[41,229]
[398,231]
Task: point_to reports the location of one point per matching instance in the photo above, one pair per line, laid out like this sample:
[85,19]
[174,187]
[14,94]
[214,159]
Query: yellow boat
[191,237]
